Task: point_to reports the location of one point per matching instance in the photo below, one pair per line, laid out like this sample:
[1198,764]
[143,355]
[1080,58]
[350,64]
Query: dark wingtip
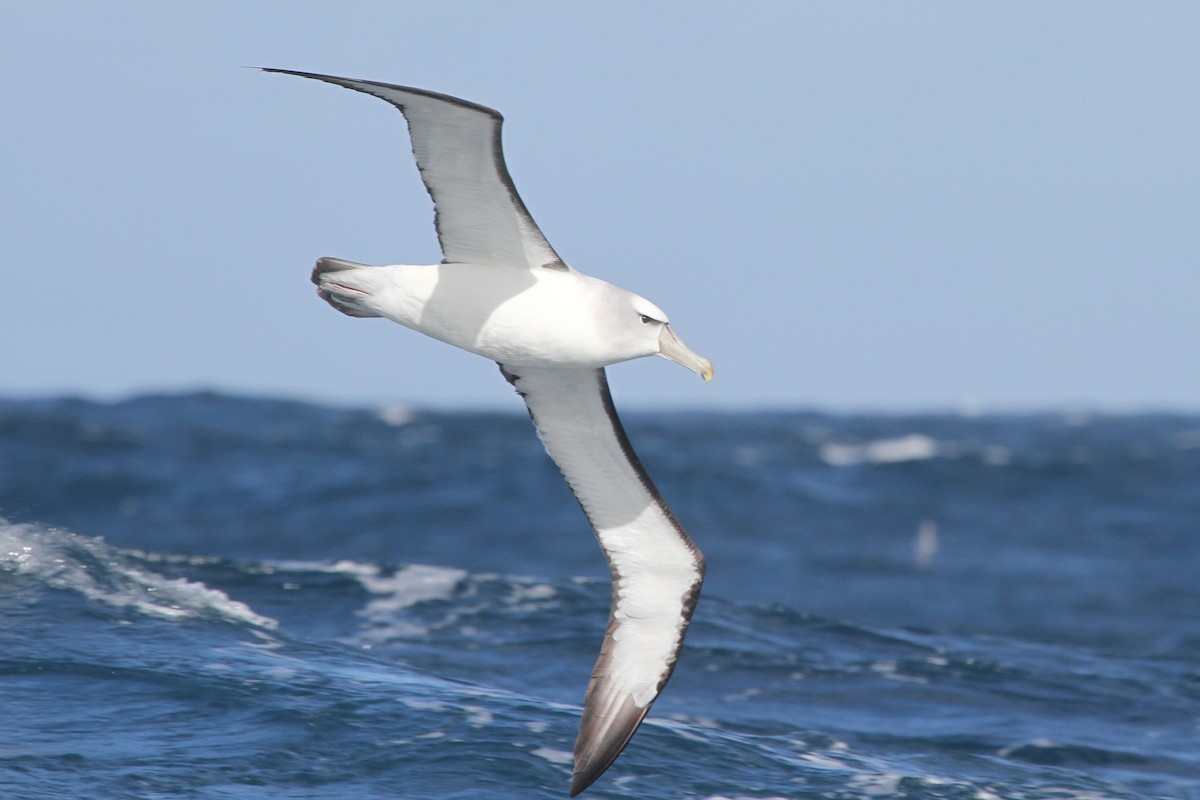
[300,73]
[602,737]
[588,772]
[582,780]
[327,264]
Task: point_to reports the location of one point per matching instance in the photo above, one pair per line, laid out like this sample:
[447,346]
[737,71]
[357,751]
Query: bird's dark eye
[648,320]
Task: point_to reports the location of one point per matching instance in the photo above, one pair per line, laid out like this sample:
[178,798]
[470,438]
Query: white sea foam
[415,583]
[925,545]
[395,414]
[554,756]
[423,705]
[392,593]
[478,716]
[890,670]
[884,785]
[913,447]
[65,560]
[1032,744]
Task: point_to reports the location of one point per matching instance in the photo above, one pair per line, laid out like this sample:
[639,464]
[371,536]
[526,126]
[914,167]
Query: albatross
[502,292]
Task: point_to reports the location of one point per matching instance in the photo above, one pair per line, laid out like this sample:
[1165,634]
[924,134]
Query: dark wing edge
[610,716]
[528,228]
[610,719]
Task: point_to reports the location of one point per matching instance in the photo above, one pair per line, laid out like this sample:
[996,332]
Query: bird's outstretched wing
[479,216]
[656,569]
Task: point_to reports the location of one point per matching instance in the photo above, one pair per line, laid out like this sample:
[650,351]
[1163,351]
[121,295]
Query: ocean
[210,596]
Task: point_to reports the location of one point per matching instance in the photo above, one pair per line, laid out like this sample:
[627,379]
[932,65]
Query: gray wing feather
[479,216]
[656,569]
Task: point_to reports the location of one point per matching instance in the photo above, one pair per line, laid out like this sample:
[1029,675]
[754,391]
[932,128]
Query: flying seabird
[502,292]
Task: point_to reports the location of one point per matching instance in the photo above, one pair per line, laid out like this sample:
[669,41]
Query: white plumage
[503,293]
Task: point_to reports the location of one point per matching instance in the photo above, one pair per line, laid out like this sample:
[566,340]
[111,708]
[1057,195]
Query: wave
[67,561]
[429,671]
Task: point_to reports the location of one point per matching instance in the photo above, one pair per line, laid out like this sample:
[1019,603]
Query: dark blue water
[216,597]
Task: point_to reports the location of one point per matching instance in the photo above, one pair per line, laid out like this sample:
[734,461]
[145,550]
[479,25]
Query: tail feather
[342,297]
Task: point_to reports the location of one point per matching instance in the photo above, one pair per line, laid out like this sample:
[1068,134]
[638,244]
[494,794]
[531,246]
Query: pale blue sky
[844,205]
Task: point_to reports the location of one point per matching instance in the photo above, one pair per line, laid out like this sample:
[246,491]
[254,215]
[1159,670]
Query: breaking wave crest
[120,579]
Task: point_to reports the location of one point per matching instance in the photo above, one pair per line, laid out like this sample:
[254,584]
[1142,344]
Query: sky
[846,206]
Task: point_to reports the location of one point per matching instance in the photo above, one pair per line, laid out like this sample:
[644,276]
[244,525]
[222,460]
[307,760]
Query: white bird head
[635,327]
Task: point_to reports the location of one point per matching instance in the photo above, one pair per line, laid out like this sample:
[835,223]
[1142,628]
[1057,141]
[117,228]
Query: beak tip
[672,349]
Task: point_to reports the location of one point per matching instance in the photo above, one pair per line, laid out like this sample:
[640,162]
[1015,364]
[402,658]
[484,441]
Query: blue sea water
[205,596]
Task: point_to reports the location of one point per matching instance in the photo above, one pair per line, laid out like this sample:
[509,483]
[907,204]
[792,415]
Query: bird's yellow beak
[672,347]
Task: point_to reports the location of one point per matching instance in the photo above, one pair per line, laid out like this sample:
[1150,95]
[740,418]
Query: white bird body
[527,318]
[504,294]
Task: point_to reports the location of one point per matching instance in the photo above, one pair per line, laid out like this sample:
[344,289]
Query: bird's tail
[335,282]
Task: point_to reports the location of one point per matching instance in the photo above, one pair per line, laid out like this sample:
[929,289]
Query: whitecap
[395,414]
[478,716]
[913,447]
[64,560]
[554,756]
[391,593]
